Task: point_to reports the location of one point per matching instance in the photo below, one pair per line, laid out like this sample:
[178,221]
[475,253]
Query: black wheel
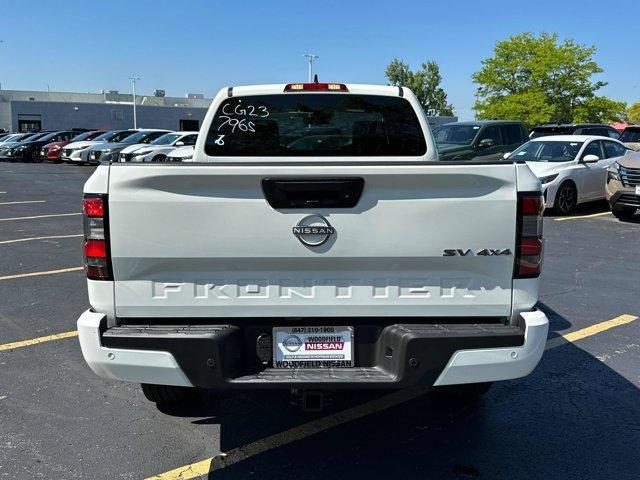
[169,394]
[566,198]
[159,158]
[623,213]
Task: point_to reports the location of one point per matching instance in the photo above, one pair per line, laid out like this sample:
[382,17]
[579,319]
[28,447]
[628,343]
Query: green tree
[425,83]
[634,113]
[537,79]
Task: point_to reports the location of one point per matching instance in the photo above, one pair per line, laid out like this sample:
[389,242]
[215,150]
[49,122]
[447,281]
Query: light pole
[310,56]
[1,41]
[133,82]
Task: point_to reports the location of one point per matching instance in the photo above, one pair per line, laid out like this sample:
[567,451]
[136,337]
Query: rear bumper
[394,356]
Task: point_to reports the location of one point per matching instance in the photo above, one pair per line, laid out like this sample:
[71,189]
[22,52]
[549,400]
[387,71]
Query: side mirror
[590,158]
[506,155]
[486,143]
[179,144]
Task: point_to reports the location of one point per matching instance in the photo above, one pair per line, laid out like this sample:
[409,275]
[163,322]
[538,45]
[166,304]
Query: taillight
[529,242]
[96,246]
[329,87]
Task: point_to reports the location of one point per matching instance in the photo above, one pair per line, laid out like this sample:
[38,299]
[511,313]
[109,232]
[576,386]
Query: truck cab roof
[279,88]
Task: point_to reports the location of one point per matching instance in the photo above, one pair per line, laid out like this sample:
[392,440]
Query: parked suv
[481,140]
[591,129]
[631,137]
[623,186]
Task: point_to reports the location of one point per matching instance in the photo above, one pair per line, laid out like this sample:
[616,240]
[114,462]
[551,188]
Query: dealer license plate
[313,347]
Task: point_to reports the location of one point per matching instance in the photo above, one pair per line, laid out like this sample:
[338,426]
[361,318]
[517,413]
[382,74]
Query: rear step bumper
[218,356]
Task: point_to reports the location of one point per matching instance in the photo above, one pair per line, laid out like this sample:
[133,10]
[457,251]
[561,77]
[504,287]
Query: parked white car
[158,150]
[78,152]
[181,154]
[571,168]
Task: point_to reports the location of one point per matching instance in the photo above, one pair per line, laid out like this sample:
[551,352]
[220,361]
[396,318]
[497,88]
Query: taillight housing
[310,87]
[529,241]
[97,257]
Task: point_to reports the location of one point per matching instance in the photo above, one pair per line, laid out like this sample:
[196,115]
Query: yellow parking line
[35,341]
[23,201]
[236,455]
[589,331]
[37,274]
[39,216]
[17,240]
[578,217]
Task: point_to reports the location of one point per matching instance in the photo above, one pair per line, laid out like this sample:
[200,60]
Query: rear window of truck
[299,124]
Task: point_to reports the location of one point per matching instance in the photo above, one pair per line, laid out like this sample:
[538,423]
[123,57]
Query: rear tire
[170,394]
[159,158]
[566,199]
[623,213]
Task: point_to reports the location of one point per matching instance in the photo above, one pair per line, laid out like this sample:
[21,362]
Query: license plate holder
[313,347]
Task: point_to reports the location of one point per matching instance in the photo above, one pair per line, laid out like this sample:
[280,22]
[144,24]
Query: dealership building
[22,111]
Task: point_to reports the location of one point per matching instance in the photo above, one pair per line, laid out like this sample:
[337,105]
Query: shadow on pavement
[588,208]
[574,417]
[557,322]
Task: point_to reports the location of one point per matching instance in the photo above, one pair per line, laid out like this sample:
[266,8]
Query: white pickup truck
[313,242]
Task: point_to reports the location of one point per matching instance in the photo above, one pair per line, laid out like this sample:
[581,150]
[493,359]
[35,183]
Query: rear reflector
[93,207]
[529,242]
[95,248]
[329,87]
[97,258]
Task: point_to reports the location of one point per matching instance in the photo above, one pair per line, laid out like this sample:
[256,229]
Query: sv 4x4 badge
[485,252]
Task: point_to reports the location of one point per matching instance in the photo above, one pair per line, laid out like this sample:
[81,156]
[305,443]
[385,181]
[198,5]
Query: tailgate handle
[313,193]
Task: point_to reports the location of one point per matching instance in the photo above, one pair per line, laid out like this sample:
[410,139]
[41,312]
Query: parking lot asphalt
[577,416]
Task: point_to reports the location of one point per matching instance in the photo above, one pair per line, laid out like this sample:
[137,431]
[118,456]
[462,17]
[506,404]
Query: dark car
[631,137]
[574,129]
[19,139]
[479,140]
[29,150]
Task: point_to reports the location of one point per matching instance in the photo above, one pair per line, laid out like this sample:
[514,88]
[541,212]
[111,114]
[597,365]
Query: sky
[202,46]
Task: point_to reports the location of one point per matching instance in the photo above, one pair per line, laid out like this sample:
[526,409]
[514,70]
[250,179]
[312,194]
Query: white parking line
[23,201]
[17,240]
[236,455]
[39,216]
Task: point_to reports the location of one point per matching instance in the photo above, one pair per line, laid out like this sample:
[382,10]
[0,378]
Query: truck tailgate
[202,241]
